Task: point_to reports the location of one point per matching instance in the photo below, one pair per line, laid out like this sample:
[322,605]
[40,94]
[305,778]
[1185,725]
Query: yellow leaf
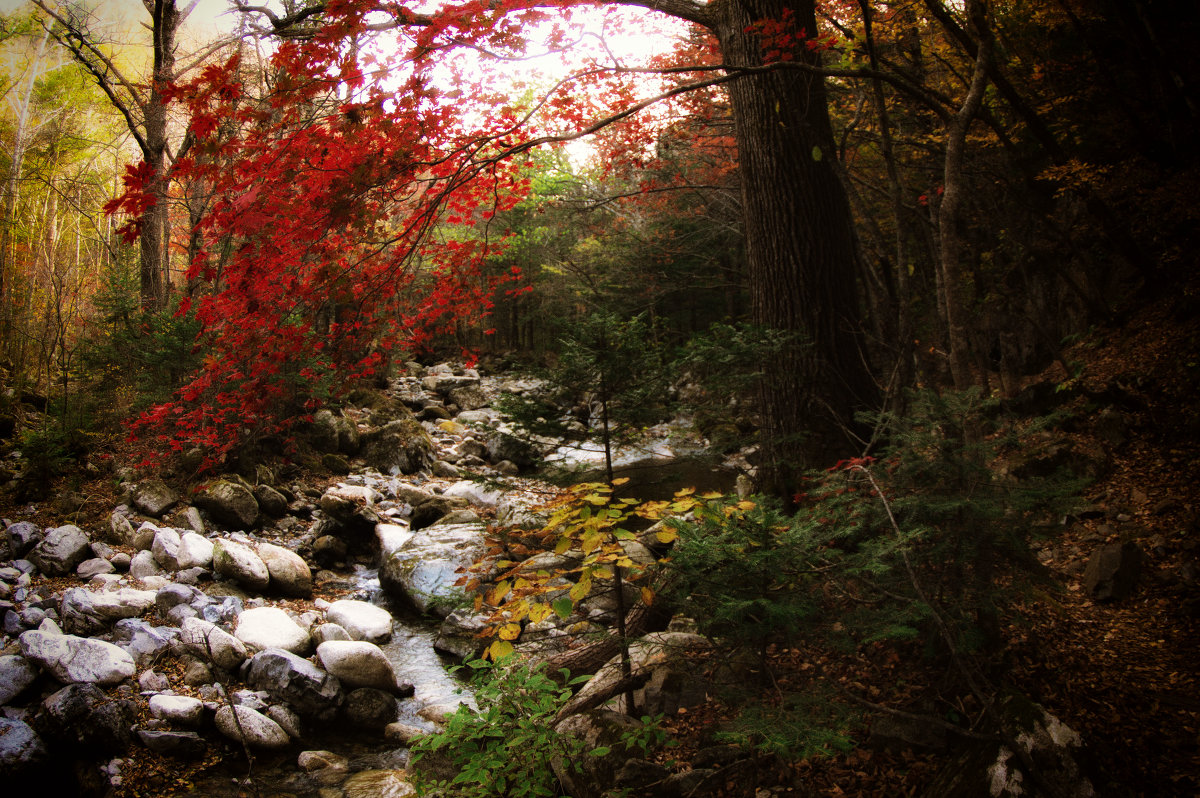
[499,592]
[647,595]
[562,545]
[652,509]
[499,649]
[538,612]
[620,481]
[510,631]
[666,535]
[580,589]
[517,610]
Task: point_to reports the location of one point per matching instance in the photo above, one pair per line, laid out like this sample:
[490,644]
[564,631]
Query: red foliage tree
[326,218]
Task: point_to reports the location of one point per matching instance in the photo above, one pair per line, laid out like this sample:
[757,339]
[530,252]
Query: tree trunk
[800,249]
[155,239]
[950,210]
[22,134]
[145,114]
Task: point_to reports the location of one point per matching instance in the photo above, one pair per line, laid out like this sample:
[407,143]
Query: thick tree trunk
[144,114]
[800,247]
[155,239]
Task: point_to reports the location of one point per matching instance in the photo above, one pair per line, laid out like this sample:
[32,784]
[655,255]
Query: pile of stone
[184,623]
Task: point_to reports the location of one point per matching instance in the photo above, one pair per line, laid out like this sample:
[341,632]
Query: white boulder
[270,627]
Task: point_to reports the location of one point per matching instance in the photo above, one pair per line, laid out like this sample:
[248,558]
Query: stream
[367,764]
[370,763]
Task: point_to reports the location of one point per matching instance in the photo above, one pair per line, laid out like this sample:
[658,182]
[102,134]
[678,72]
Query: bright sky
[642,34]
[212,17]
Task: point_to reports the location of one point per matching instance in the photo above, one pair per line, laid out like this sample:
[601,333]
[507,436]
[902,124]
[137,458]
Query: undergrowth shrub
[745,573]
[508,747]
[926,543]
[932,527]
[801,725]
[149,352]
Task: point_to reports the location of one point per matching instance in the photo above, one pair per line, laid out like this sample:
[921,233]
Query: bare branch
[108,77]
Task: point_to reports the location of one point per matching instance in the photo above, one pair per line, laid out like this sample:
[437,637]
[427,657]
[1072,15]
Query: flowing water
[373,763]
[371,760]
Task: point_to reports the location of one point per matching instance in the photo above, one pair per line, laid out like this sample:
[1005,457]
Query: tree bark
[950,209]
[801,250]
[155,240]
[145,114]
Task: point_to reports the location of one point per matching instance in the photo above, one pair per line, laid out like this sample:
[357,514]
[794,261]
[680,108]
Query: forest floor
[1124,674]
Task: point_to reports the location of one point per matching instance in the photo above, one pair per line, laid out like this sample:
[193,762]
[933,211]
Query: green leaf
[601,751]
[562,607]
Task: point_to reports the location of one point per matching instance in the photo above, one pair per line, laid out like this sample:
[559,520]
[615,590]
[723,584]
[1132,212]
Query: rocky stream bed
[308,625]
[276,633]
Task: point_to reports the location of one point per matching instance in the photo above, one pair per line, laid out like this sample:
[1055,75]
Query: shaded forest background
[1075,172]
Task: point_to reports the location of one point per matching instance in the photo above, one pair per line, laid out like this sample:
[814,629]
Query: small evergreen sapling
[612,365]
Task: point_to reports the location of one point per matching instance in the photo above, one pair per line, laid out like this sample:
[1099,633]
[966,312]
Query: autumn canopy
[350,198]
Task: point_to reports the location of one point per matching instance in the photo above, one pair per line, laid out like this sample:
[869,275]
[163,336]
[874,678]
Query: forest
[901,294]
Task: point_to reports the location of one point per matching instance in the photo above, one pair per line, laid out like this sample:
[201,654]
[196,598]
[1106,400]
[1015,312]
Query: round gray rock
[230,503]
[270,627]
[363,621]
[288,572]
[61,551]
[357,663]
[212,643]
[154,497]
[252,728]
[238,562]
[73,659]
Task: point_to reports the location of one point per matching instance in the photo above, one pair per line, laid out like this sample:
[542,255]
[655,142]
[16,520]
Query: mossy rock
[400,447]
[336,464]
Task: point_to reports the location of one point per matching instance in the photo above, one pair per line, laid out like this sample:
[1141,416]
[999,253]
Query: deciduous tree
[143,106]
[801,248]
